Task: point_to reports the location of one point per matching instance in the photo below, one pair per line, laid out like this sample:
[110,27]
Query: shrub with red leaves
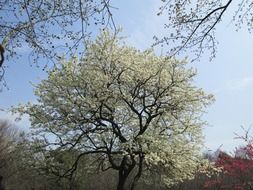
[237,171]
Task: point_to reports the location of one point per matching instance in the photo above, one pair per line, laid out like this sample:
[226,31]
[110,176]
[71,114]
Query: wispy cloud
[147,25]
[240,83]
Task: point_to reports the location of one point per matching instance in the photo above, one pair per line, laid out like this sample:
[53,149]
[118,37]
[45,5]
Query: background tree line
[20,169]
[41,26]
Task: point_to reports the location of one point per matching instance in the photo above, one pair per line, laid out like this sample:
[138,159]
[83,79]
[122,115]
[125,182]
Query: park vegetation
[25,167]
[118,118]
[135,113]
[109,116]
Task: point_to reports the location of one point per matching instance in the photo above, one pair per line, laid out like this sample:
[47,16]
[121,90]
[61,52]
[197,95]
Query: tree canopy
[136,110]
[54,29]
[41,25]
[192,24]
[49,29]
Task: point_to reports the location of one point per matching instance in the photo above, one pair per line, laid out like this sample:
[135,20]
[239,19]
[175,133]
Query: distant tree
[8,136]
[135,111]
[20,170]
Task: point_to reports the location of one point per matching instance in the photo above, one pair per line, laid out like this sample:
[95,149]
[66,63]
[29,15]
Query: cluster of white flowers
[131,102]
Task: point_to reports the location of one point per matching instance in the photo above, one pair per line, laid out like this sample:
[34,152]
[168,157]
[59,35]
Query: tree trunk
[1,183]
[125,168]
[123,174]
[138,175]
[121,183]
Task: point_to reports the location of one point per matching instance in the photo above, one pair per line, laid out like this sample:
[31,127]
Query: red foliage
[237,170]
[235,166]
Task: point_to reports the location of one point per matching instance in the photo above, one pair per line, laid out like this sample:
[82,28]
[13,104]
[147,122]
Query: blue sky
[229,76]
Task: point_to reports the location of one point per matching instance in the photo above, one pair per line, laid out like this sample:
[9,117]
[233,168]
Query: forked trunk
[139,172]
[126,167]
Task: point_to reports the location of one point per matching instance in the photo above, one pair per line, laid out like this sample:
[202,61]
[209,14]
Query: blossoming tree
[136,111]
